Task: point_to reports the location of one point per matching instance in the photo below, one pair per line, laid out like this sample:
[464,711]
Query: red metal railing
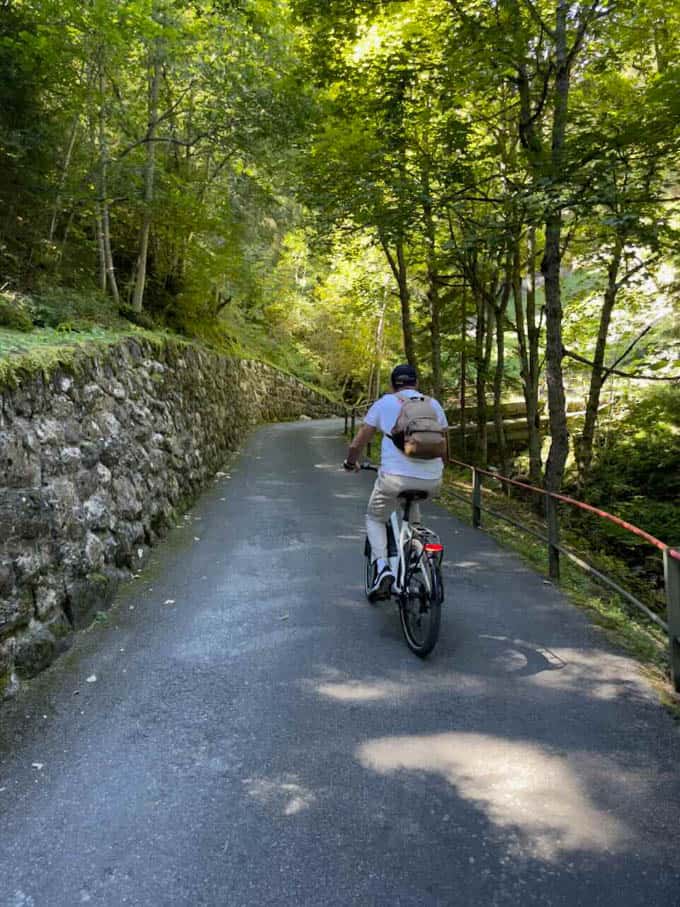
[581,505]
[671,556]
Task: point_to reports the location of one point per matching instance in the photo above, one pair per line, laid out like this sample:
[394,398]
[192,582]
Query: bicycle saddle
[413,495]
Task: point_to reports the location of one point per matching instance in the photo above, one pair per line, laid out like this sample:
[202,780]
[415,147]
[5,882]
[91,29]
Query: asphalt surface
[257,734]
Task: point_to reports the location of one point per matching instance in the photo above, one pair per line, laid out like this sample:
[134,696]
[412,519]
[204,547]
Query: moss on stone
[6,683]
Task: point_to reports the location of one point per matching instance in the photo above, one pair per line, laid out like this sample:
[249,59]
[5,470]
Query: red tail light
[433,548]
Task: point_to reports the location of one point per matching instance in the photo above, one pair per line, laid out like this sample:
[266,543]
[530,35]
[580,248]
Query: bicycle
[415,554]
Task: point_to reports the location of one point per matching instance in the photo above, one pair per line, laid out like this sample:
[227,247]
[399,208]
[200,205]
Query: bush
[141,319]
[14,313]
[640,456]
[636,474]
[60,306]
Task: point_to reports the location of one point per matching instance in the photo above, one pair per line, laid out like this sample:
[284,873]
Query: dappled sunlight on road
[396,688]
[525,790]
[602,675]
[361,691]
[284,795]
[466,565]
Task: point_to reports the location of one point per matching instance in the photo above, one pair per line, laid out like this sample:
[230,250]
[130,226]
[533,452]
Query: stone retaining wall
[95,462]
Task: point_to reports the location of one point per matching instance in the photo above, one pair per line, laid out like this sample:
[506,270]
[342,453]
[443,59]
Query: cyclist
[397,472]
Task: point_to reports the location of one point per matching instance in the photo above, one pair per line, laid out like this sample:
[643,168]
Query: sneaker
[382,585]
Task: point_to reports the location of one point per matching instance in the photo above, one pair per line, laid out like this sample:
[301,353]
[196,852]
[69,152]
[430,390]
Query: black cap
[404,376]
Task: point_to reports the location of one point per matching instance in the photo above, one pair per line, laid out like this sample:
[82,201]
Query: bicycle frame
[403,537]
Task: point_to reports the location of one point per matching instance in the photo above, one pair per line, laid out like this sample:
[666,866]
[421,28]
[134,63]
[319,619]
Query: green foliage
[636,472]
[74,309]
[141,319]
[14,313]
[308,170]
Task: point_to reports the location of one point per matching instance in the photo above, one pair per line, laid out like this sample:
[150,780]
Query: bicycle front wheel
[420,608]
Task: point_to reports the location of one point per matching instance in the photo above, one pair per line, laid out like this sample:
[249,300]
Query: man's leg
[431,486]
[382,502]
[385,499]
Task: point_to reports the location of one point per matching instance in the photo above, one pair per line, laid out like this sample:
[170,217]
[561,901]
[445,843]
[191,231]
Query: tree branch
[613,371]
[589,16]
[643,264]
[538,18]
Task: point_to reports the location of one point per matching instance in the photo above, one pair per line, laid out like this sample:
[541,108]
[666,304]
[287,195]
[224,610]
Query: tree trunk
[584,447]
[102,252]
[435,337]
[64,174]
[534,338]
[551,265]
[379,344]
[528,342]
[499,374]
[149,174]
[405,300]
[554,351]
[463,371]
[397,263]
[105,245]
[433,283]
[483,347]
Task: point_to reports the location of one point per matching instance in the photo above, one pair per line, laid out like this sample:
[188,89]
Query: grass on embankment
[45,349]
[46,330]
[622,624]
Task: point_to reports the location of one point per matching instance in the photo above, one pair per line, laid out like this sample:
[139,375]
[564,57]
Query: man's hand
[361,439]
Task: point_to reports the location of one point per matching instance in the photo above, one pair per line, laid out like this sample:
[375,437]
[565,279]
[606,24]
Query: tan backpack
[417,431]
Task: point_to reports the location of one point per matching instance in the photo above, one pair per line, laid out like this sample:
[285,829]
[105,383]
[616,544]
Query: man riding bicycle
[398,471]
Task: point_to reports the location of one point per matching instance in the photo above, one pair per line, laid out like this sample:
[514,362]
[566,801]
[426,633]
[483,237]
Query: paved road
[259,735]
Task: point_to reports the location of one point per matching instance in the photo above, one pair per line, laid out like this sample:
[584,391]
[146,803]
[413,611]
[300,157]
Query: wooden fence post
[552,519]
[671,571]
[476,499]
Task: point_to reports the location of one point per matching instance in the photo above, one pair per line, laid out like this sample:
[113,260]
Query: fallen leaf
[168,601]
[91,679]
[39,765]
[196,538]
[284,617]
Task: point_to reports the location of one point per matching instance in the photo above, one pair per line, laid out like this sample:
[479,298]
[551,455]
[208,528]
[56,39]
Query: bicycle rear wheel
[420,608]
[369,571]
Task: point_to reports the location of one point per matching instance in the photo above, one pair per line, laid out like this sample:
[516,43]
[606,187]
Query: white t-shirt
[382,415]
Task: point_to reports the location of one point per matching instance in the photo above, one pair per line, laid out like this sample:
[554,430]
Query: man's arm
[361,439]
